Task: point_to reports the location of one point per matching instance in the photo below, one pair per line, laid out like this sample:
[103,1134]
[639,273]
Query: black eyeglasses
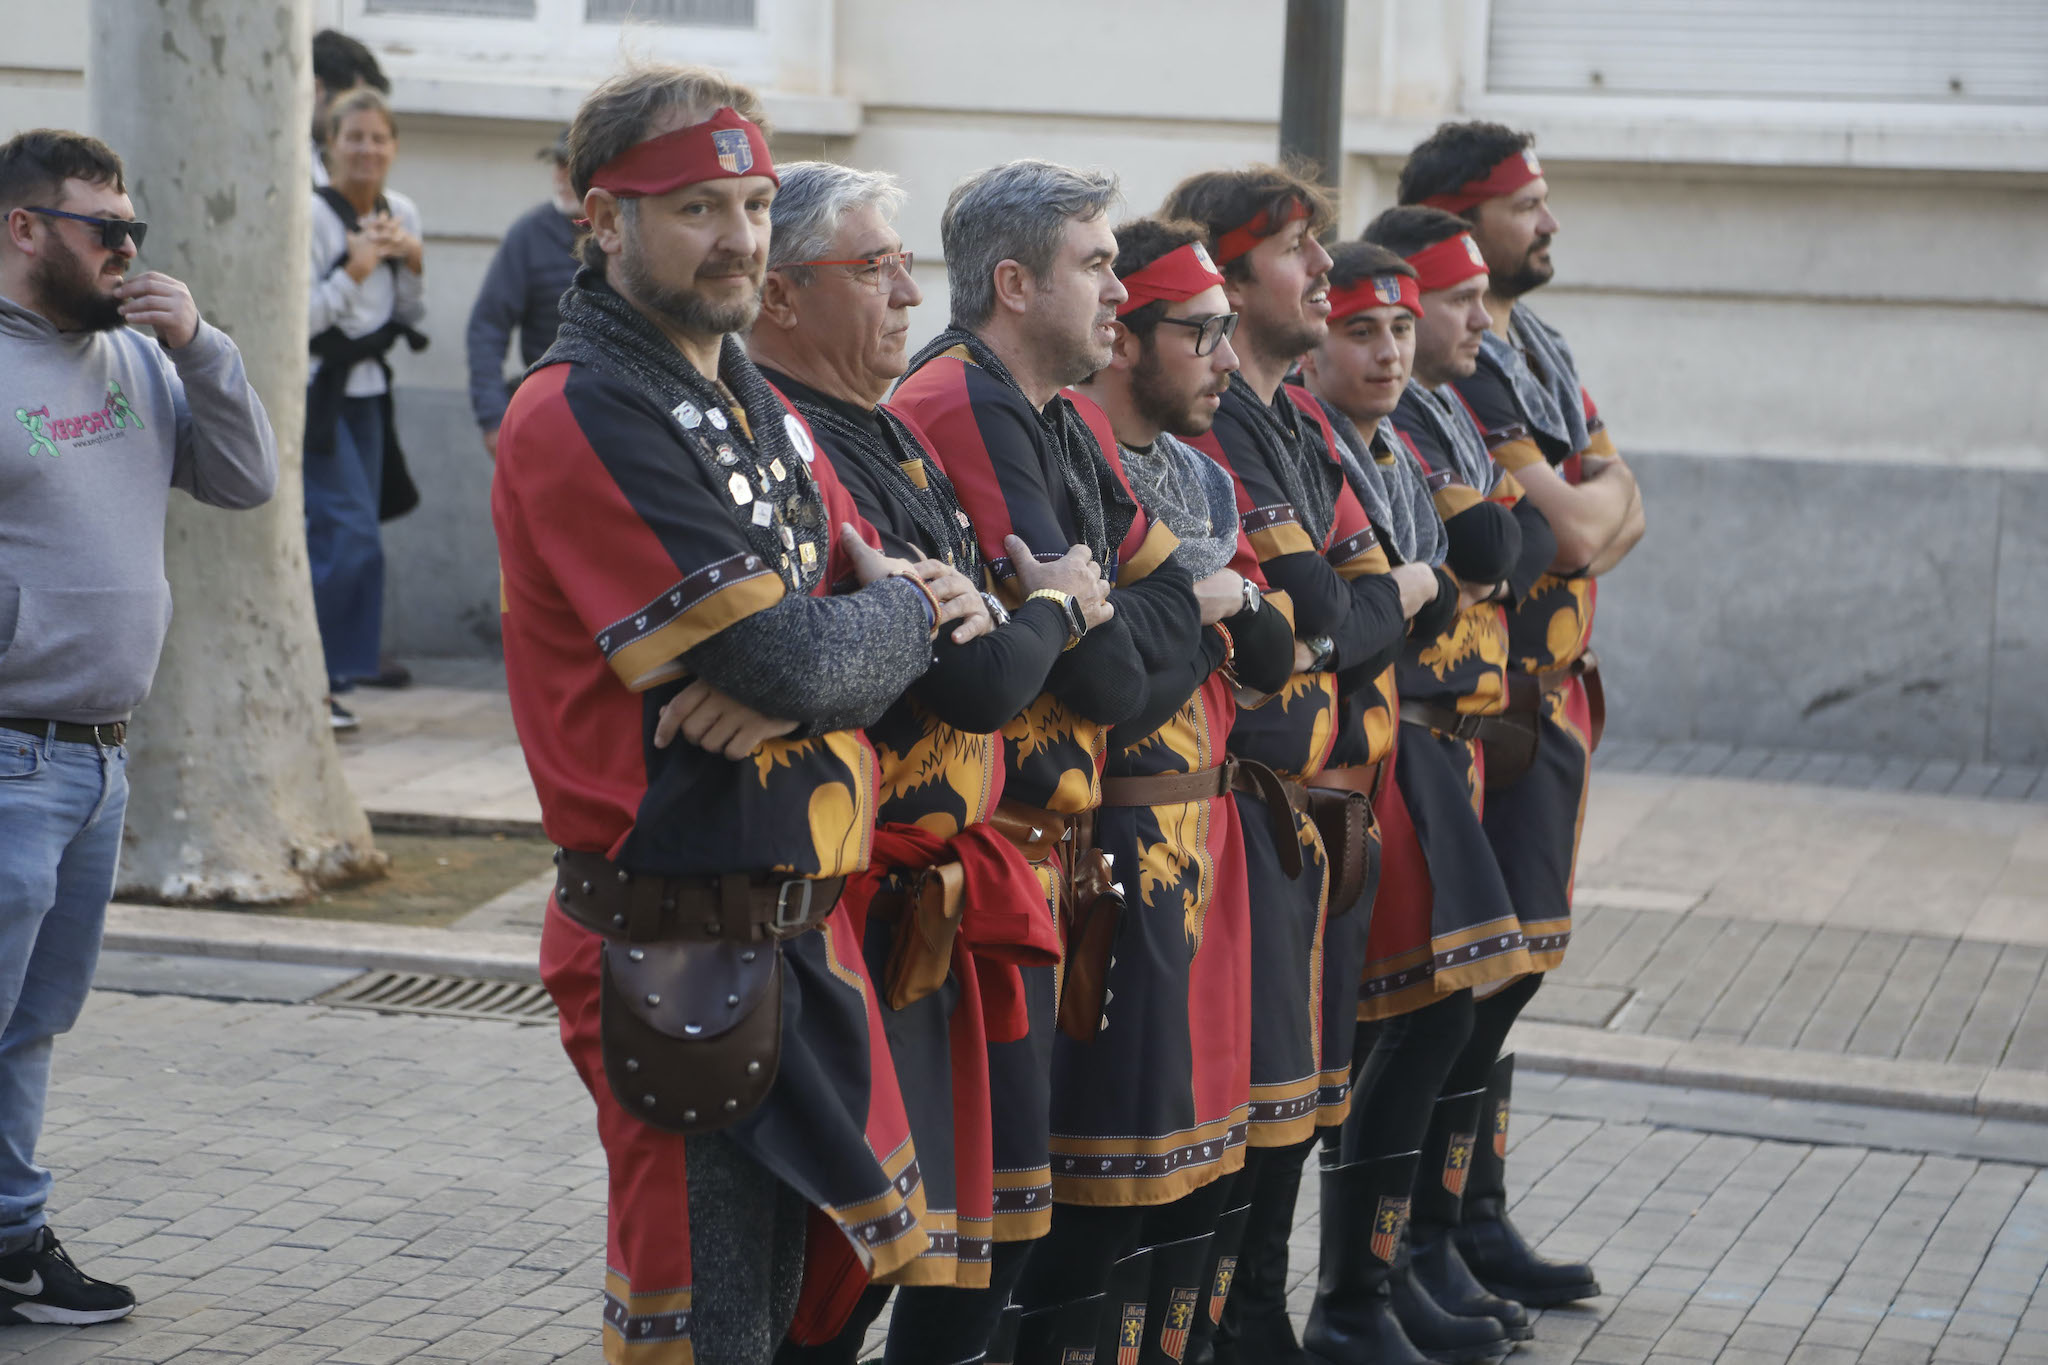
[1210,331]
[113,231]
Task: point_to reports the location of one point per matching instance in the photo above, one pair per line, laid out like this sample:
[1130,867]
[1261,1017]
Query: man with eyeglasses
[947,900]
[106,422]
[1329,727]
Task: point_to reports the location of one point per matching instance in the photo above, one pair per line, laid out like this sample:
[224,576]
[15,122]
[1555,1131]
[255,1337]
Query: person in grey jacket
[106,421]
[523,288]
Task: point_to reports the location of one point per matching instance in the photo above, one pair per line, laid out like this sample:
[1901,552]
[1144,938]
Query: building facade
[1799,263]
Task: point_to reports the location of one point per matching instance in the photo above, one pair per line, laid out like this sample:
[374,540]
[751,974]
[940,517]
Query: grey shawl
[1395,495]
[1192,494]
[1458,433]
[1539,365]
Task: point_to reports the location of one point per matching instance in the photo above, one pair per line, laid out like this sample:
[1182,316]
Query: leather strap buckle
[785,923]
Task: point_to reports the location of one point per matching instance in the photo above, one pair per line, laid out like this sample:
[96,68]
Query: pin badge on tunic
[788,537]
[727,456]
[763,513]
[798,437]
[808,553]
[716,418]
[775,468]
[742,491]
[686,412]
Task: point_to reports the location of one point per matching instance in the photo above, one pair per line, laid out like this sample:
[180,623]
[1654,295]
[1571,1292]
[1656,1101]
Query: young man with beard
[108,421]
[1149,1116]
[1328,727]
[1541,425]
[1442,927]
[667,542]
[1029,252]
[950,907]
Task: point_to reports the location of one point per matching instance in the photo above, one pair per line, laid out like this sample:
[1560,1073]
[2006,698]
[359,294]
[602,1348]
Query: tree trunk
[236,787]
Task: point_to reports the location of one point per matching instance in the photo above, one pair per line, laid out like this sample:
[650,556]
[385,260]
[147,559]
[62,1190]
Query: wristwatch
[1077,620]
[1252,596]
[1326,650]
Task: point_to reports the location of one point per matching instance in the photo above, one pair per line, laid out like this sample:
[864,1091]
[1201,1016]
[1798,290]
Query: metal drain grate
[456,997]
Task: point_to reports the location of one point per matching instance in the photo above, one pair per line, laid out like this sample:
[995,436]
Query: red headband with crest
[1509,175]
[1180,274]
[1450,262]
[1239,240]
[723,146]
[1384,290]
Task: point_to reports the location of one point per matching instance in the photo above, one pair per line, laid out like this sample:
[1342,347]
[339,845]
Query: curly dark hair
[1223,201]
[1141,242]
[1455,155]
[1351,262]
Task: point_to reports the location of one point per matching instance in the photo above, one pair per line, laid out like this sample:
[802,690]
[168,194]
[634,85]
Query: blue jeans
[344,545]
[60,835]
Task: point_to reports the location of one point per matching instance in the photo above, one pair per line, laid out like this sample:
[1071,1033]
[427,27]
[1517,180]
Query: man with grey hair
[667,547]
[1029,252]
[834,313]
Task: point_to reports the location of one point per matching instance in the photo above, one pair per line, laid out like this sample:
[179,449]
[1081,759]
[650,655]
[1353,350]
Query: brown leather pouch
[1510,742]
[691,1029]
[1344,819]
[1097,905]
[926,925]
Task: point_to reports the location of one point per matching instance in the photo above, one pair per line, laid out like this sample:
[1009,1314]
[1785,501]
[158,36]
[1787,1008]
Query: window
[719,13]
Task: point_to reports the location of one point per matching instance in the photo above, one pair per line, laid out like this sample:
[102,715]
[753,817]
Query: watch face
[1077,620]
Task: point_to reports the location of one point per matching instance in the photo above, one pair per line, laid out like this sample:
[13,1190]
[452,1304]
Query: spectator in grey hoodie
[523,288]
[107,421]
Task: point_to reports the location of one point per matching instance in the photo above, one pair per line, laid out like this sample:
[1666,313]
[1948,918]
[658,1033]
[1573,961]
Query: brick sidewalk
[293,1184]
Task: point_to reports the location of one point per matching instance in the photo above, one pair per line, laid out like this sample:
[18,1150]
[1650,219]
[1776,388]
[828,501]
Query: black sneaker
[40,1284]
[340,717]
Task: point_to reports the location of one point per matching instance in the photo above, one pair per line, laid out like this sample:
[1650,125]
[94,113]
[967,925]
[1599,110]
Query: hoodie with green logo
[96,428]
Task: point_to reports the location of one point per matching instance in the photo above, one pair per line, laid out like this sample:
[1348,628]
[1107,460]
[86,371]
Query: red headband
[1239,240]
[1180,274]
[722,146]
[1375,291]
[1510,175]
[1450,262]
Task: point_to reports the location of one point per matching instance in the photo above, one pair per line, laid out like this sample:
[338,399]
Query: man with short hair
[1541,426]
[1328,728]
[108,421]
[1030,256]
[522,289]
[667,541]
[340,64]
[830,338]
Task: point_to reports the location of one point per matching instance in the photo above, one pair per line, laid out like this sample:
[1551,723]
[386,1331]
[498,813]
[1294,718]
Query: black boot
[1002,1348]
[1064,1334]
[1175,1302]
[1441,1335]
[1364,1211]
[1256,1329]
[1124,1305]
[1222,1269]
[1492,1247]
[1439,1198]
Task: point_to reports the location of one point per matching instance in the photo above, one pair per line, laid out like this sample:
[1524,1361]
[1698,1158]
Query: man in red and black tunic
[1328,727]
[1540,425]
[951,908]
[1029,256]
[666,543]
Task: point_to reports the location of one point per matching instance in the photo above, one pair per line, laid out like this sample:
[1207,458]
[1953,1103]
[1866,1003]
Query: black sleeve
[979,687]
[1437,614]
[1539,549]
[1362,615]
[1168,688]
[1165,623]
[1101,679]
[1263,642]
[1485,542]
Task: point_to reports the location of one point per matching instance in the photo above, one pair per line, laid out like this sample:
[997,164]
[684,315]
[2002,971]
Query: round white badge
[798,437]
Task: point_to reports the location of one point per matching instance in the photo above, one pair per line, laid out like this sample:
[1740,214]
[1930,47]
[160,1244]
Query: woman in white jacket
[367,293]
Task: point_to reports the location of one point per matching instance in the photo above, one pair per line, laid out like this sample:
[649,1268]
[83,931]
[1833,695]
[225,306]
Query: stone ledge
[1934,1086]
[324,943]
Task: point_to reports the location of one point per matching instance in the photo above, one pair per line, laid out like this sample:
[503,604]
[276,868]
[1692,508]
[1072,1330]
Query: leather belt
[1363,778]
[649,908]
[1526,691]
[107,734]
[1169,789]
[1035,831]
[1442,719]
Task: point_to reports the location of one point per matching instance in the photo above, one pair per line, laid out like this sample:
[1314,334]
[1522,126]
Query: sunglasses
[113,231]
[1210,331]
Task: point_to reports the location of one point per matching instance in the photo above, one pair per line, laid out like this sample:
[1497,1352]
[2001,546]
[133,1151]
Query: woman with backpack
[366,294]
